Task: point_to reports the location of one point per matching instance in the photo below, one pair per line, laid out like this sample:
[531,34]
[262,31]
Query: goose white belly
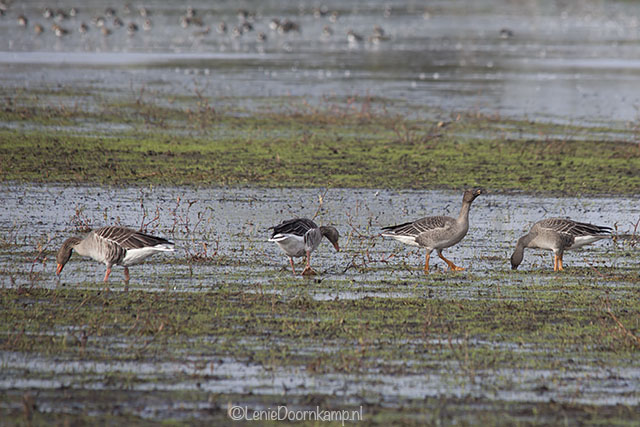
[136,256]
[585,240]
[291,244]
[407,240]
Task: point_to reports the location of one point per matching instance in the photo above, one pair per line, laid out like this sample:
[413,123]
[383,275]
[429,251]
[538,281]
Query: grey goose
[436,232]
[299,237]
[113,245]
[558,235]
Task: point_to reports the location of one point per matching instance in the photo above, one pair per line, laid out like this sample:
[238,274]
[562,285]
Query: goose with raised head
[558,235]
[113,245]
[436,232]
[299,237]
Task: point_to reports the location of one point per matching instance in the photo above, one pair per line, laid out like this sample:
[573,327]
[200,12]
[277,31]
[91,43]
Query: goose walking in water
[436,232]
[113,246]
[558,235]
[301,236]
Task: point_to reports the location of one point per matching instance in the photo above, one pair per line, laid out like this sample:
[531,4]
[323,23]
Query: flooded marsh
[208,123]
[224,320]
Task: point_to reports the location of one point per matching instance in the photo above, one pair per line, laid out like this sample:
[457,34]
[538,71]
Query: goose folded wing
[573,228]
[584,229]
[298,227]
[130,239]
[417,227]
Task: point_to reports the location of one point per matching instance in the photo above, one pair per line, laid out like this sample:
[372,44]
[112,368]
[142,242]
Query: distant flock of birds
[299,237]
[109,21]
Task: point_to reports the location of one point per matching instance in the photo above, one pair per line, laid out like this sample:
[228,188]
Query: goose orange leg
[557,262]
[451,265]
[308,271]
[126,279]
[106,276]
[292,267]
[426,263]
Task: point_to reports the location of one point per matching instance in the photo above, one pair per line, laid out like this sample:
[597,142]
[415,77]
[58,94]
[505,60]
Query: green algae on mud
[565,329]
[572,320]
[311,147]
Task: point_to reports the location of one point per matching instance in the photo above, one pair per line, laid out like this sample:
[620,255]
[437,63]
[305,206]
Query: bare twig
[320,203]
[623,329]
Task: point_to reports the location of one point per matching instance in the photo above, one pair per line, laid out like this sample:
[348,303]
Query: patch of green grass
[574,320]
[570,324]
[469,330]
[332,146]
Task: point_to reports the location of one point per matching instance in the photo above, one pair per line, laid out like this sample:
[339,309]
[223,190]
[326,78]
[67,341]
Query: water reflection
[571,62]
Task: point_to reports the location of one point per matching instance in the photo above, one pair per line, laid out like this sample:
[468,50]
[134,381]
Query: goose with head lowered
[299,237]
[113,245]
[558,235]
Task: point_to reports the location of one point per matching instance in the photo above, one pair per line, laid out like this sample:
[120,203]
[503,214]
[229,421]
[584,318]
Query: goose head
[64,253]
[332,235]
[470,195]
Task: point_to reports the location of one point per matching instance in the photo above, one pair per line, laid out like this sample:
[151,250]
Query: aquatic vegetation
[370,337]
[225,317]
[211,326]
[159,127]
[335,144]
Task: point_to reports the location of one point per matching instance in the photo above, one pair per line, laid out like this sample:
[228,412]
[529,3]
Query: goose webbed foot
[451,265]
[308,271]
[454,267]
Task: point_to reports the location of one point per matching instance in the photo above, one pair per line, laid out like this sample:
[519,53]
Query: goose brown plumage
[558,235]
[436,232]
[113,245]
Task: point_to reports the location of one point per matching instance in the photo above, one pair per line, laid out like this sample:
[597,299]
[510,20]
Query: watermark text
[283,413]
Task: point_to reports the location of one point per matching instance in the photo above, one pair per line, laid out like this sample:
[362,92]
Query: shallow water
[561,61]
[579,386]
[233,224]
[571,62]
